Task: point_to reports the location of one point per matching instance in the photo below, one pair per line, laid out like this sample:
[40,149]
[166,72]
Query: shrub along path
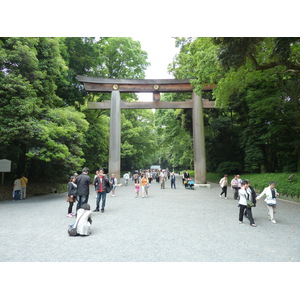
[169,226]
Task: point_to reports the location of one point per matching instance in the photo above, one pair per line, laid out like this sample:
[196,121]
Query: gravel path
[169,226]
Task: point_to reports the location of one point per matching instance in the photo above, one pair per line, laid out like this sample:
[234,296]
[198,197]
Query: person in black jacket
[252,197]
[83,182]
[102,186]
[72,193]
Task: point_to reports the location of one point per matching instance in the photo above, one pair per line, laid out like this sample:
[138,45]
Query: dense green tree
[33,122]
[118,57]
[258,91]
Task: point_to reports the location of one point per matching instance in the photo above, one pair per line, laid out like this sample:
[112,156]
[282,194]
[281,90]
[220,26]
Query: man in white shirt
[126,177]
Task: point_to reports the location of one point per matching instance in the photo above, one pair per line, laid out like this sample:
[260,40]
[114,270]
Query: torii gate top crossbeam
[96,84]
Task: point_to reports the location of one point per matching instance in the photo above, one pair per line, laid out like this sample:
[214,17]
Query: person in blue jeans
[83,182]
[102,186]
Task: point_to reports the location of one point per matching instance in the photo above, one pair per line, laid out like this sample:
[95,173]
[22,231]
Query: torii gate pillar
[199,140]
[114,163]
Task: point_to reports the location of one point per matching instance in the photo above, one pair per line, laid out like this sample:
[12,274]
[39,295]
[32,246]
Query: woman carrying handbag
[245,203]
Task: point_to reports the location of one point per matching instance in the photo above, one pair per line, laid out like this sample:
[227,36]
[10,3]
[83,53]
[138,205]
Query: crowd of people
[79,189]
[246,195]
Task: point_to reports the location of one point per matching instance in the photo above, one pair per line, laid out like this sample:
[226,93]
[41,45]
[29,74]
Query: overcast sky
[161,51]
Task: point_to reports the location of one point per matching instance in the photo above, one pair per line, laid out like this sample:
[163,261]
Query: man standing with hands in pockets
[102,186]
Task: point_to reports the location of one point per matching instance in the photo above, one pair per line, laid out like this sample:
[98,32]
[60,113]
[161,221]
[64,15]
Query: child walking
[72,193]
[136,188]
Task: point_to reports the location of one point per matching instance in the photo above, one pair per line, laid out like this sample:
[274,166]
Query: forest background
[47,131]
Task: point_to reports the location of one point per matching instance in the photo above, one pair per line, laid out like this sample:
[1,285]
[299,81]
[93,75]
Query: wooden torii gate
[155,86]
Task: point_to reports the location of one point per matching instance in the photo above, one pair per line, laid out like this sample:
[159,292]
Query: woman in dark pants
[244,196]
[72,193]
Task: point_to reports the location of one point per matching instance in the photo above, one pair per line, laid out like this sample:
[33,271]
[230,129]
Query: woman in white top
[244,196]
[84,220]
[223,184]
[271,193]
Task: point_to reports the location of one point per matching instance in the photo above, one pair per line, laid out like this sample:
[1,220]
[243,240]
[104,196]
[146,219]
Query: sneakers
[273,221]
[225,198]
[220,196]
[70,216]
[253,225]
[241,222]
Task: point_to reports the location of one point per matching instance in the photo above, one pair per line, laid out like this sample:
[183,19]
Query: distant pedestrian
[157,176]
[136,188]
[271,194]
[185,176]
[162,178]
[24,182]
[113,182]
[252,196]
[235,185]
[223,184]
[71,197]
[149,176]
[135,176]
[144,182]
[83,182]
[126,178]
[17,189]
[102,186]
[243,197]
[173,180]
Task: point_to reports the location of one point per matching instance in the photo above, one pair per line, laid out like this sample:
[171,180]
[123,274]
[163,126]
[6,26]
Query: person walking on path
[244,196]
[162,179]
[102,186]
[173,180]
[144,182]
[252,196]
[271,193]
[71,198]
[24,182]
[136,188]
[235,185]
[149,176]
[126,178]
[84,220]
[17,189]
[223,184]
[83,182]
[113,181]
